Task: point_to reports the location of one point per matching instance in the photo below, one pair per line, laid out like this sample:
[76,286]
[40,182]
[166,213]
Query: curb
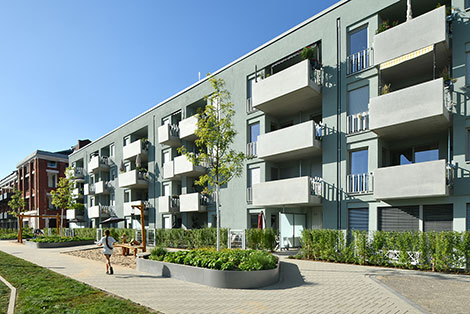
[11,303]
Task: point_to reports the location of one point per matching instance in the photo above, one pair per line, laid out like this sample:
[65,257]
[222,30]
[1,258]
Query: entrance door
[291,227]
[166,222]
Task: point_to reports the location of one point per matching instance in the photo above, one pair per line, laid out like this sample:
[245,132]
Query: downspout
[338,122]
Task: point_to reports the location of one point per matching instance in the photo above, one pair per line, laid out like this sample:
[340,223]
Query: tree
[17,204]
[215,135]
[62,195]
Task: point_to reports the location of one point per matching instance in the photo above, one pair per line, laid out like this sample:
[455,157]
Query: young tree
[215,135]
[62,196]
[17,204]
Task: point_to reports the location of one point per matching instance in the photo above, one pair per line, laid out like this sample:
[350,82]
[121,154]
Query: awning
[406,57]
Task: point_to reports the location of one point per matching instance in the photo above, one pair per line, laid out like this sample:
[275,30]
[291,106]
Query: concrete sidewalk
[305,287]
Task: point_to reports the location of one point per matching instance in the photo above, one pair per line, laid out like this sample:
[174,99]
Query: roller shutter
[404,218]
[438,217]
[358,219]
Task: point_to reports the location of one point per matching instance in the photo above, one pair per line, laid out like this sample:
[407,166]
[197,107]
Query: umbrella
[138,161]
[111,220]
[122,167]
[409,14]
[260,220]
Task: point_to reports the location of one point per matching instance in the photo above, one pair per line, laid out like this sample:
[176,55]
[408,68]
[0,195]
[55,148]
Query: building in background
[370,132]
[7,186]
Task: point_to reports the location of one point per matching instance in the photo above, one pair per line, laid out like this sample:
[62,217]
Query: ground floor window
[358,219]
[404,218]
[438,217]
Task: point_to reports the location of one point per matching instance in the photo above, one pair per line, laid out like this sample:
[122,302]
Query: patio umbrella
[122,167]
[409,13]
[138,161]
[260,220]
[111,220]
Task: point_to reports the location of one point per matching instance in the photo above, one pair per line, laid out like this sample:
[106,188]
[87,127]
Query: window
[127,140]
[358,58]
[438,217]
[92,201]
[415,155]
[254,177]
[359,161]
[467,4]
[52,164]
[112,150]
[358,219]
[405,218]
[49,202]
[358,109]
[358,178]
[254,132]
[127,196]
[52,180]
[166,189]
[166,156]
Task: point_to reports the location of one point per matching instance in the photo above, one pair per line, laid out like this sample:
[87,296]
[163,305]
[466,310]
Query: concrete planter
[40,245]
[211,277]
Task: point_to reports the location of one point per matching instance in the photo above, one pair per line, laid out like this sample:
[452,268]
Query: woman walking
[108,244]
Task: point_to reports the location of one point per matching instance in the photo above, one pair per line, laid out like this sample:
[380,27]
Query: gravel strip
[97,255]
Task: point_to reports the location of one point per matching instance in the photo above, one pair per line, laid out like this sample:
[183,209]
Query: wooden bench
[126,247]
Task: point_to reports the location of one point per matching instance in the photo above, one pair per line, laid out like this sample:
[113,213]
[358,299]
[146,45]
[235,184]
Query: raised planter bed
[210,277]
[45,245]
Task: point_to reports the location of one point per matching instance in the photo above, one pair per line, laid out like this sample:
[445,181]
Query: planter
[43,245]
[211,277]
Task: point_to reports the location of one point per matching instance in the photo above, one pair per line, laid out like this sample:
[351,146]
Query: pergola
[22,216]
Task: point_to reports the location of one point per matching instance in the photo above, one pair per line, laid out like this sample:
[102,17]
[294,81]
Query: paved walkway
[305,287]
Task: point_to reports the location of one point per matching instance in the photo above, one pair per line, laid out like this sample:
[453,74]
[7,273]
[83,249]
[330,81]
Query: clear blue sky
[72,70]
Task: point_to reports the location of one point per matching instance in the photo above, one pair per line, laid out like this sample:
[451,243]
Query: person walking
[108,245]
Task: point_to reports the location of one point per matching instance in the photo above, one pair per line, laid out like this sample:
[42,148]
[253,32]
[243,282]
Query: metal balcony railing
[174,203]
[359,61]
[320,130]
[359,183]
[251,149]
[316,75]
[174,130]
[356,123]
[316,186]
[249,195]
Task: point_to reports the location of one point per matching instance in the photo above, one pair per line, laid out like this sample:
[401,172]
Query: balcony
[420,32]
[419,180]
[132,150]
[102,187]
[193,202]
[77,193]
[75,214]
[294,89]
[188,128]
[129,211]
[169,170]
[414,110]
[183,167]
[133,179]
[89,189]
[168,204]
[78,173]
[100,211]
[98,163]
[295,142]
[168,134]
[301,191]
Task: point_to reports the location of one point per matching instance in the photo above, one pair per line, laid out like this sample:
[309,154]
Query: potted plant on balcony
[448,80]
[386,89]
[142,172]
[385,25]
[145,143]
[309,53]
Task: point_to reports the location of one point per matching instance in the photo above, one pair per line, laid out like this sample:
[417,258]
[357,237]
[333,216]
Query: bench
[126,247]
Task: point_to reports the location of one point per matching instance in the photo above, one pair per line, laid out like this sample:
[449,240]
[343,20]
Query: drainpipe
[338,122]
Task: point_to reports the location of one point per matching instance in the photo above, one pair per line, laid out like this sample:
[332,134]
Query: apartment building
[369,132]
[7,186]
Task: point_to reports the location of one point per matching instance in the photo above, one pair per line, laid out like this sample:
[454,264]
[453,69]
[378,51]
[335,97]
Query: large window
[254,131]
[254,177]
[358,58]
[358,178]
[415,155]
[358,109]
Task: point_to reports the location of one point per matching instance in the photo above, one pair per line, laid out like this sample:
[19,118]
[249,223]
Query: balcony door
[291,228]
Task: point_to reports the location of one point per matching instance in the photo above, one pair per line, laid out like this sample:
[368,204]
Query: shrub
[56,239]
[226,259]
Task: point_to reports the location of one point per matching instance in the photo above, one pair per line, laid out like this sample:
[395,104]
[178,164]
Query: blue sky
[72,70]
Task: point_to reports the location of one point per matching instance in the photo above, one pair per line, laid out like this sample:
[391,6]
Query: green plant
[385,25]
[215,135]
[56,239]
[307,53]
[386,89]
[62,196]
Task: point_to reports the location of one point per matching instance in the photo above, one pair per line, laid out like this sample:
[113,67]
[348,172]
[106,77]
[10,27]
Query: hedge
[56,239]
[439,251]
[190,238]
[261,239]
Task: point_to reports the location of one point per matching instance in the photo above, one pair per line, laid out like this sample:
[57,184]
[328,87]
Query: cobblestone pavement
[305,287]
[436,293]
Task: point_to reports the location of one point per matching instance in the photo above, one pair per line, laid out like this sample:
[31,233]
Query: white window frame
[51,164]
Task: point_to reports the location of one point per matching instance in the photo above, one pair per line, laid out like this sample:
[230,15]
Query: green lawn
[43,291]
[4,297]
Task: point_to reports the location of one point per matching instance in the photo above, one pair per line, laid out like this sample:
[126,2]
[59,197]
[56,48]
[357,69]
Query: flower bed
[236,269]
[57,242]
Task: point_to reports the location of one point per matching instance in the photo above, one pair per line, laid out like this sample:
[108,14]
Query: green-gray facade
[370,132]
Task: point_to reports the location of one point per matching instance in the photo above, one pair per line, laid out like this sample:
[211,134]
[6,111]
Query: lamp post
[141,207]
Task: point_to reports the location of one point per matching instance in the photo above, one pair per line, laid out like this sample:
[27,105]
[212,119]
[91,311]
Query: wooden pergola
[22,216]
[141,207]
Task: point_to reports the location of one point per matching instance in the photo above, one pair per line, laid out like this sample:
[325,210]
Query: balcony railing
[249,195]
[356,123]
[316,185]
[249,106]
[359,61]
[251,149]
[359,183]
[168,134]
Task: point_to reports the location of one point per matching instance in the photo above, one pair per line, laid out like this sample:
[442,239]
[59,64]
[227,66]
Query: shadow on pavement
[290,277]
[126,276]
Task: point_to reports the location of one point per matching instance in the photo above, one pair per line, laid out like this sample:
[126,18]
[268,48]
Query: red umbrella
[260,220]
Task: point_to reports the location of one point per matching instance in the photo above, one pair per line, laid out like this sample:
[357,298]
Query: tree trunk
[18,224]
[218,215]
[61,220]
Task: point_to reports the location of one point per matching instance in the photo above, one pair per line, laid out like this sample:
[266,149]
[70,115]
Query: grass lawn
[42,291]
[4,297]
